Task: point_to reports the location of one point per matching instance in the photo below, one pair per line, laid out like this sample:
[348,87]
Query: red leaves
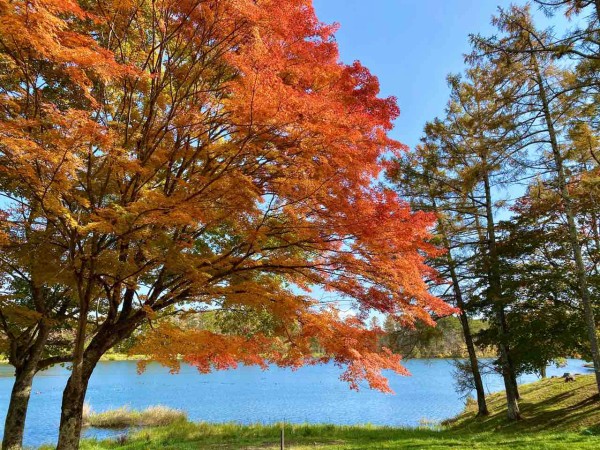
[346,342]
[363,89]
[213,153]
[205,350]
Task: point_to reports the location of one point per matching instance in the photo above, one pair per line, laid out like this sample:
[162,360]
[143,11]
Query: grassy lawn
[557,415]
[549,405]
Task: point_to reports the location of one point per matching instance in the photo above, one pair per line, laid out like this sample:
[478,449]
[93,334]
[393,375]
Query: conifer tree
[543,110]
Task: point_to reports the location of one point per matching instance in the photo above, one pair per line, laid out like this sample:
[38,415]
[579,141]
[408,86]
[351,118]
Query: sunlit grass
[186,435]
[547,405]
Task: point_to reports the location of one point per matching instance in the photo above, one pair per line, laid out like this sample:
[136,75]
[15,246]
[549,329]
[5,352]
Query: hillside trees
[207,155]
[545,319]
[480,147]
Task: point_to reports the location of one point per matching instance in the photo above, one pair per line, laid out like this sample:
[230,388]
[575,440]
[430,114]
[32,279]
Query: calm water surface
[249,395]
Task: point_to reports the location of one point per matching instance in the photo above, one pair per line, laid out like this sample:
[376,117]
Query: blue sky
[411,45]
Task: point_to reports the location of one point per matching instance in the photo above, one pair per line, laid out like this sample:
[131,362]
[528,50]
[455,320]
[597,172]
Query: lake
[249,395]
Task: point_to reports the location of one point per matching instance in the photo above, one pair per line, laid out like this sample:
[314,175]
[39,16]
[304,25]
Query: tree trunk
[495,297]
[74,394]
[582,278]
[71,414]
[512,403]
[71,418]
[482,409]
[84,362]
[513,374]
[543,372]
[14,426]
[25,370]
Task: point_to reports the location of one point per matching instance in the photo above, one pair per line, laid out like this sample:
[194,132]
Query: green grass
[557,415]
[549,405]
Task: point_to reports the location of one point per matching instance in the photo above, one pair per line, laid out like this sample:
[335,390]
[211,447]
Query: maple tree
[199,155]
[34,311]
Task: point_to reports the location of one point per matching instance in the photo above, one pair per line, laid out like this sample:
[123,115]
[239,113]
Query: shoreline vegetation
[556,415]
[105,357]
[445,341]
[124,417]
[111,357]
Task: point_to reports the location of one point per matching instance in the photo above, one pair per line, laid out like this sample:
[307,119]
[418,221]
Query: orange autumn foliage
[194,155]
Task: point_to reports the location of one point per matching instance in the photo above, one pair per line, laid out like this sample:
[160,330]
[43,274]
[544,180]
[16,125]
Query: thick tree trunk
[26,362]
[71,418]
[74,394]
[72,414]
[582,278]
[512,403]
[14,426]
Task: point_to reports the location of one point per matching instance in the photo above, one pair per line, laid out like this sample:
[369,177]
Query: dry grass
[155,416]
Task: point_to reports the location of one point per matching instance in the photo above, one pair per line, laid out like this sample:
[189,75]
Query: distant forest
[446,340]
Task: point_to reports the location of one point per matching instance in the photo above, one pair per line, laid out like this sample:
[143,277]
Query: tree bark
[71,418]
[513,374]
[482,409]
[72,413]
[14,425]
[26,366]
[74,394]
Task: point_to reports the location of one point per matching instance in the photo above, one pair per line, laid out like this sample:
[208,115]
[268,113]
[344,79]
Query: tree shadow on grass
[548,406]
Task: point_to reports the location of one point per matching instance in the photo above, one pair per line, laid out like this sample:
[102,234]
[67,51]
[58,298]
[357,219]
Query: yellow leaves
[19,315]
[150,313]
[234,166]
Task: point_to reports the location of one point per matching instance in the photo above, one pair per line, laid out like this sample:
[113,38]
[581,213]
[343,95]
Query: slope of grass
[547,405]
[557,415]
